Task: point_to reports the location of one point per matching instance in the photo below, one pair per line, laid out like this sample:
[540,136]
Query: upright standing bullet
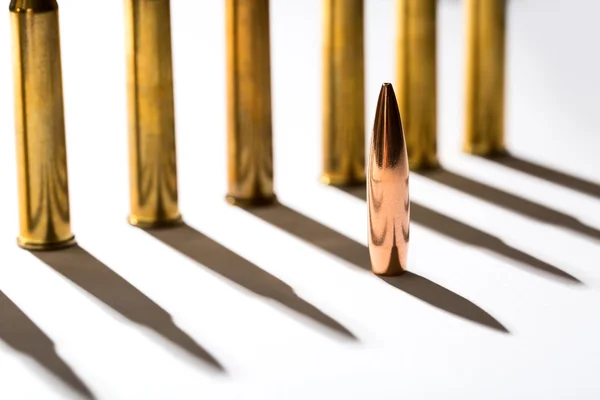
[152,153]
[343,93]
[484,124]
[249,131]
[416,80]
[388,200]
[44,211]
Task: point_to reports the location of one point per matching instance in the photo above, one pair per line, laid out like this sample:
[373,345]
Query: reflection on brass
[484,124]
[249,132]
[343,93]
[416,80]
[44,211]
[388,199]
[152,153]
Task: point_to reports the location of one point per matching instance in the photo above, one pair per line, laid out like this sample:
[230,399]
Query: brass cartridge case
[249,129]
[416,79]
[388,201]
[152,150]
[44,210]
[343,93]
[485,75]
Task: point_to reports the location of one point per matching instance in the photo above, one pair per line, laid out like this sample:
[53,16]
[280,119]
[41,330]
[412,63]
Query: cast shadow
[442,298]
[23,335]
[468,235]
[510,202]
[548,174]
[233,267]
[357,254]
[91,275]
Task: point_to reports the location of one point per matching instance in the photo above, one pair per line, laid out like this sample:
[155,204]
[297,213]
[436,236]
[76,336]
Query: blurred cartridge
[484,119]
[152,152]
[44,210]
[249,131]
[343,93]
[416,80]
[388,201]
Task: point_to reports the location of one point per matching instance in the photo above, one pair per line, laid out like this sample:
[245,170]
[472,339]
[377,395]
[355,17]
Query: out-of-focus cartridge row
[39,118]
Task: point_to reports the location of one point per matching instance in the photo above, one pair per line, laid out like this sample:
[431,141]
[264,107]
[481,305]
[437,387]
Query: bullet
[343,93]
[152,153]
[249,130]
[484,119]
[388,200]
[44,210]
[416,80]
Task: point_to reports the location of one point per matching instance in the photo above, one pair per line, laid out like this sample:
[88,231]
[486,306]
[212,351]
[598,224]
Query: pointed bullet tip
[388,95]
[388,137]
[387,88]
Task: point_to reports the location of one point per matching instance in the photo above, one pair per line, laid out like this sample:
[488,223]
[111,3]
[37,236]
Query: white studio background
[406,346]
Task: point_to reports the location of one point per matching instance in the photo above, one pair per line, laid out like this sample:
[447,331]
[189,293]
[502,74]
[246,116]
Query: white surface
[406,348]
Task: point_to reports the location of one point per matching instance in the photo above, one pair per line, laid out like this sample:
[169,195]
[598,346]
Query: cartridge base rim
[499,153]
[49,246]
[389,274]
[163,223]
[488,153]
[245,202]
[425,166]
[342,181]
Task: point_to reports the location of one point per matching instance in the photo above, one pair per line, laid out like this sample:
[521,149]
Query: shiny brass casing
[44,210]
[485,75]
[152,150]
[249,129]
[343,93]
[388,200]
[416,80]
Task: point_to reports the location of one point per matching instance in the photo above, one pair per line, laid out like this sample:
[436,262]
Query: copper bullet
[343,93]
[249,129]
[485,70]
[388,199]
[44,210]
[416,80]
[152,154]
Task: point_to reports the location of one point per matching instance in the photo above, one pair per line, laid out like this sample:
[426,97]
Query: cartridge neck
[32,6]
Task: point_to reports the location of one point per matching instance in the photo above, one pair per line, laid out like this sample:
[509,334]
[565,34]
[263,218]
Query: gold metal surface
[249,131]
[388,200]
[417,81]
[486,24]
[44,210]
[343,93]
[152,152]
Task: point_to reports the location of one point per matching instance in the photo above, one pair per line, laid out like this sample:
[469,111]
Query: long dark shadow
[233,267]
[474,237]
[91,275]
[510,202]
[23,335]
[549,174]
[357,254]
